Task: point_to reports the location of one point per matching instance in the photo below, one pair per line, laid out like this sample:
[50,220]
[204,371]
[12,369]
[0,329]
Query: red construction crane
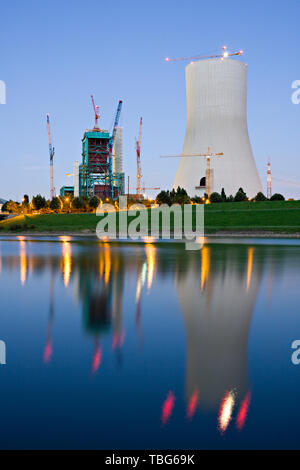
[222,56]
[138,160]
[96,111]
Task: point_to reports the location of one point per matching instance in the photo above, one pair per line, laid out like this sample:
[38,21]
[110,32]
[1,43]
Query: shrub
[215,197]
[94,202]
[260,197]
[163,198]
[277,197]
[240,196]
[55,204]
[77,203]
[223,195]
[38,202]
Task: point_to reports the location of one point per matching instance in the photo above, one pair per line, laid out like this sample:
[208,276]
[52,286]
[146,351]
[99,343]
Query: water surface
[149,346]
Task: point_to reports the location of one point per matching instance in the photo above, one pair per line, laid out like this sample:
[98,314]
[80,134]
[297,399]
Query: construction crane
[138,160]
[144,188]
[222,56]
[51,153]
[96,112]
[117,117]
[269,181]
[208,156]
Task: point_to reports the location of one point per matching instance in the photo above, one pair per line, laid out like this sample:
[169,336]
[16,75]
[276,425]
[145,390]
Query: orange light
[225,412]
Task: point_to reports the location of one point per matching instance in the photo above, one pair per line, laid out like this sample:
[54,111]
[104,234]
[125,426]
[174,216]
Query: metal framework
[269,181]
[96,176]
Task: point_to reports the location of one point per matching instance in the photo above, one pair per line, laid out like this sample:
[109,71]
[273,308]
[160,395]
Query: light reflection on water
[166,348]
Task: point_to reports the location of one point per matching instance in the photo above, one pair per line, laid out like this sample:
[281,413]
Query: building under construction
[100,173]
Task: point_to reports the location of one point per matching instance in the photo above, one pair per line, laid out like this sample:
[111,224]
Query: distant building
[66,191]
[2,201]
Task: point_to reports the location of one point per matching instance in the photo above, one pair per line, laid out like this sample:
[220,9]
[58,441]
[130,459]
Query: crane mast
[138,161]
[51,154]
[112,140]
[96,112]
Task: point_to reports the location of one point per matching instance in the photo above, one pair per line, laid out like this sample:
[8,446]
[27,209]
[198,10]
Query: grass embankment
[233,217]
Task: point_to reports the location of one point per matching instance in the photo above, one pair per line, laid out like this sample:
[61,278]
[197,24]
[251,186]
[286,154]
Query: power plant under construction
[216,153]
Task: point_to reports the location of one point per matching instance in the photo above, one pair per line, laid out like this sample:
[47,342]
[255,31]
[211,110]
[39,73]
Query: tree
[77,203]
[12,207]
[240,196]
[163,198]
[197,199]
[38,202]
[55,204]
[277,197]
[260,197]
[215,197]
[223,195]
[94,202]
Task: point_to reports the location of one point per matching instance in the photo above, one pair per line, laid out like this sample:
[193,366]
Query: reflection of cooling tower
[217,321]
[216,93]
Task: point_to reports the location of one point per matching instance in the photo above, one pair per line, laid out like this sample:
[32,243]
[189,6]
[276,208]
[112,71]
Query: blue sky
[53,55]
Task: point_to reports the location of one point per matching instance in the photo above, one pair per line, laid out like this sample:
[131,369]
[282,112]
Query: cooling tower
[216,94]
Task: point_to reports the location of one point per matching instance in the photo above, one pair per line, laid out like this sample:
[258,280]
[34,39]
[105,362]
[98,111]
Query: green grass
[268,216]
[244,216]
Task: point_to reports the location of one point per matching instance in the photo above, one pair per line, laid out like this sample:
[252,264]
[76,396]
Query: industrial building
[100,173]
[216,94]
[2,202]
[66,191]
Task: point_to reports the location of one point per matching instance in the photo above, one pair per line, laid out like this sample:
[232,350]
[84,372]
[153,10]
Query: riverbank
[262,219]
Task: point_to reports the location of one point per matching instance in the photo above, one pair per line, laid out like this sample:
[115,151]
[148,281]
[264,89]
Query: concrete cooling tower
[216,94]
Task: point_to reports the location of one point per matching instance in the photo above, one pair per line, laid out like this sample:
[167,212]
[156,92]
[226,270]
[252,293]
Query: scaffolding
[96,175]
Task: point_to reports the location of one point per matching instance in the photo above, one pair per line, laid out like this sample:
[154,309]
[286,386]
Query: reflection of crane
[208,156]
[96,111]
[138,160]
[51,153]
[222,56]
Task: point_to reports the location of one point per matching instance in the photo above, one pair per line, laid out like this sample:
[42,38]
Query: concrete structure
[76,178]
[216,94]
[118,146]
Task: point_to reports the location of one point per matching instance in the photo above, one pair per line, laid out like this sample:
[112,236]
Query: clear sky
[53,55]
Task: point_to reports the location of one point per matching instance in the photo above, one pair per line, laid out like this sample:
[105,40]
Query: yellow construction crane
[208,156]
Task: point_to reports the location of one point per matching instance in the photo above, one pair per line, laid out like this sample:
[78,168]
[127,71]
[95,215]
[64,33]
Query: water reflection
[216,290]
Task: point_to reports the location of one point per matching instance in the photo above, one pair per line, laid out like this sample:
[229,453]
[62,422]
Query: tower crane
[207,156]
[96,112]
[117,117]
[144,188]
[51,154]
[138,160]
[269,181]
[222,56]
